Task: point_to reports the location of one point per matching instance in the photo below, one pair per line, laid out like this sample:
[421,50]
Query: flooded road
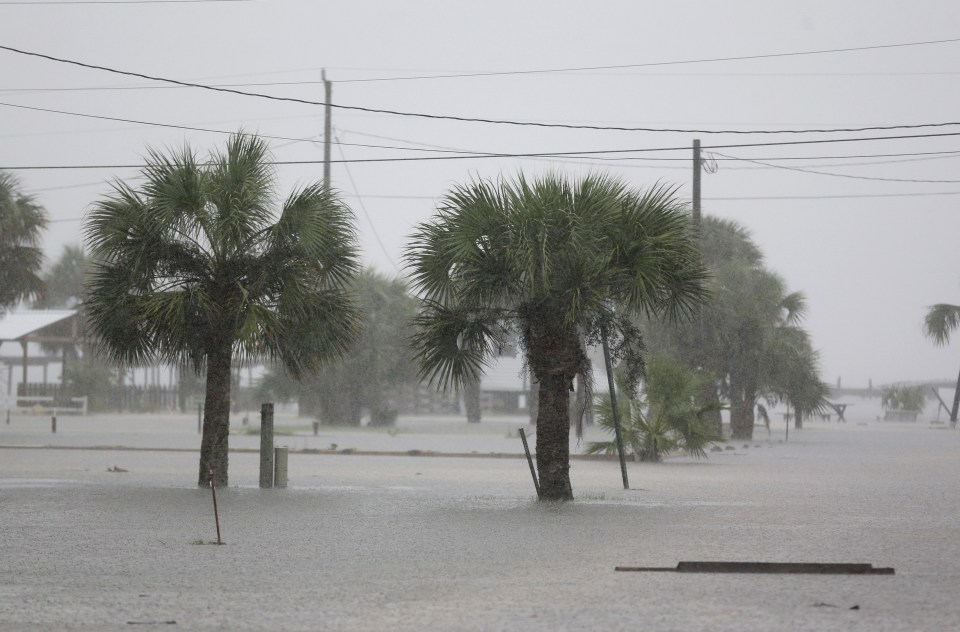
[428,542]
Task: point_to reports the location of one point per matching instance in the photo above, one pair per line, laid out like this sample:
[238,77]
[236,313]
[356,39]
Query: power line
[200,129]
[830,197]
[446,149]
[62,2]
[931,155]
[744,198]
[464,119]
[841,175]
[572,154]
[658,63]
[731,198]
[308,82]
[363,207]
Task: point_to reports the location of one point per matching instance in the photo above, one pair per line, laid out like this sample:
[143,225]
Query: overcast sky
[869,245]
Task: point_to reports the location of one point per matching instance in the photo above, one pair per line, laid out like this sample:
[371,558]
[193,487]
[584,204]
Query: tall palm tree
[198,265]
[545,260]
[741,333]
[941,321]
[22,221]
[758,311]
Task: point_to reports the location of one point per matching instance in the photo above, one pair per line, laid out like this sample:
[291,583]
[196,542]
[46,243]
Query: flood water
[363,542]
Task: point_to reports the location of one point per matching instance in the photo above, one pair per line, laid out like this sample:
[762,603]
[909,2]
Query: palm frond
[941,321]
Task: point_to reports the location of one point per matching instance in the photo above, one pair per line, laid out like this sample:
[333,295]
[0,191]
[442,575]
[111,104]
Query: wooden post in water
[213,491]
[614,408]
[266,446]
[53,423]
[533,470]
[280,467]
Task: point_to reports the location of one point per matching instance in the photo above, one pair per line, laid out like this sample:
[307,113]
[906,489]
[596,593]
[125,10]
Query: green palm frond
[454,344]
[22,222]
[941,320]
[195,258]
[674,419]
[794,306]
[547,254]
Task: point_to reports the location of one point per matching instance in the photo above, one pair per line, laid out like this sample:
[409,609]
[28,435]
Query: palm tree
[22,221]
[197,265]
[742,332]
[64,280]
[941,321]
[379,364]
[544,260]
[793,374]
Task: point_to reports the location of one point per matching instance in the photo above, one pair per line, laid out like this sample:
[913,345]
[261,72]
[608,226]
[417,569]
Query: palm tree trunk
[553,438]
[741,419]
[533,395]
[471,400]
[708,396]
[216,417]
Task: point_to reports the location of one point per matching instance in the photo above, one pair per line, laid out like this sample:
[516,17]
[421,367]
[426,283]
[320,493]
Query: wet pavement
[365,542]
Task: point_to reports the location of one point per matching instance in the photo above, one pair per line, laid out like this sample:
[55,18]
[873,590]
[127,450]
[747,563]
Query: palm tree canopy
[942,319]
[725,240]
[550,250]
[198,256]
[22,222]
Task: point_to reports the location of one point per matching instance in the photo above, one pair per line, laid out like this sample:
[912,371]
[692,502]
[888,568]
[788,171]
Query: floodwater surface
[363,542]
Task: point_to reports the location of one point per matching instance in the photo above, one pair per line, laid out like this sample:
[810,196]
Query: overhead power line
[308,82]
[828,197]
[424,147]
[464,119]
[207,129]
[925,155]
[703,60]
[744,198]
[363,207]
[40,3]
[840,175]
[737,198]
[571,154]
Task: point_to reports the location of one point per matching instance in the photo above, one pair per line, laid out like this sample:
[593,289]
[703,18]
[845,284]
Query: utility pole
[697,170]
[328,96]
[709,393]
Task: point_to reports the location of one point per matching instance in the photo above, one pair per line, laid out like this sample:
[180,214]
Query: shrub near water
[669,419]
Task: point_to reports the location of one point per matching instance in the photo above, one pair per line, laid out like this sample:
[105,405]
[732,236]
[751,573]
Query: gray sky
[869,254]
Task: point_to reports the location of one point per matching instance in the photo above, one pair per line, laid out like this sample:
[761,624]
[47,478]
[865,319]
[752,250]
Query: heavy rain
[478,316]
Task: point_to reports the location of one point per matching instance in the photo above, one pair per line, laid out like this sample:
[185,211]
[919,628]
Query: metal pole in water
[53,423]
[280,467]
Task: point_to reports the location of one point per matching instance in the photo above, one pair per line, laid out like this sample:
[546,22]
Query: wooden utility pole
[709,392]
[697,170]
[327,133]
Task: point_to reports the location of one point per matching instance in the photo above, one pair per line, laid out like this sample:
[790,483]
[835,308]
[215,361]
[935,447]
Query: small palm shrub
[667,416]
